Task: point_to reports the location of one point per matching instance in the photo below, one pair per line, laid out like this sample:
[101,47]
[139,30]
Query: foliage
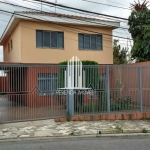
[124,103]
[91,73]
[139,27]
[68,117]
[119,128]
[138,6]
[119,54]
[144,131]
[95,108]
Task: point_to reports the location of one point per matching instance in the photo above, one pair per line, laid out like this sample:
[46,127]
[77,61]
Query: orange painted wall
[15,52]
[25,51]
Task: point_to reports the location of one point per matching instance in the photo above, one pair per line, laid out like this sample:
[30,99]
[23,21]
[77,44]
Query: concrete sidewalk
[50,128]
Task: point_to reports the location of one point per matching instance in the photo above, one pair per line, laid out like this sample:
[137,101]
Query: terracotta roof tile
[58,15]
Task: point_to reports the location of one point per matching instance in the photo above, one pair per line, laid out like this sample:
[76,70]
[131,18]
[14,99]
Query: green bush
[91,73]
[124,103]
[94,108]
[119,104]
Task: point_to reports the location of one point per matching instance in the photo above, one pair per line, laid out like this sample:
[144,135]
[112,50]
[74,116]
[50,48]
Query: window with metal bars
[49,39]
[90,41]
[47,83]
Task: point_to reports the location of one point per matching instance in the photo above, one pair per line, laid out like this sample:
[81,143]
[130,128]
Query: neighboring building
[37,37]
[49,38]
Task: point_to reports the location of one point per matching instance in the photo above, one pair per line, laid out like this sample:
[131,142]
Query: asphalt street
[99,143]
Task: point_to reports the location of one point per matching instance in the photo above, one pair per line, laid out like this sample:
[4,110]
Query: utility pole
[128,54]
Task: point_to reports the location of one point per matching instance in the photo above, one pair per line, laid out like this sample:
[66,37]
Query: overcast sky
[73,3]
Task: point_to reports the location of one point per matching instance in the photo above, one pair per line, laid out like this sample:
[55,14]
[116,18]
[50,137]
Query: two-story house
[36,37]
[50,38]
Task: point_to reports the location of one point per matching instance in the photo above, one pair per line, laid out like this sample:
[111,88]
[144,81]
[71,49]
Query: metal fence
[29,92]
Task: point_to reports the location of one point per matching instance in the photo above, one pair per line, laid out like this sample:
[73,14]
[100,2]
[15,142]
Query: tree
[139,27]
[119,54]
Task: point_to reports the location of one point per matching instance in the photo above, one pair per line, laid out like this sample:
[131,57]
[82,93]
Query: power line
[38,3]
[91,21]
[43,11]
[105,41]
[18,6]
[116,3]
[106,4]
[82,10]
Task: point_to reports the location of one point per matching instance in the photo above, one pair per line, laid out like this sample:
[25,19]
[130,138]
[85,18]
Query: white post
[65,79]
[76,72]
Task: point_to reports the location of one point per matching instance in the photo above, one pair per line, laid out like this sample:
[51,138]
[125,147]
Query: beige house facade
[52,38]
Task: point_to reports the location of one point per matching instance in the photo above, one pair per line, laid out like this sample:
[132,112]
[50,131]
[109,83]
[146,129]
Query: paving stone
[113,127]
[93,131]
[8,134]
[77,133]
[2,137]
[53,131]
[66,133]
[62,131]
[18,133]
[1,133]
[13,129]
[42,133]
[24,136]
[4,130]
[59,128]
[28,128]
[29,131]
[81,128]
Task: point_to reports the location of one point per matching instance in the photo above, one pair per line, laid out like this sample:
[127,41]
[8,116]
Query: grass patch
[144,131]
[119,128]
[68,116]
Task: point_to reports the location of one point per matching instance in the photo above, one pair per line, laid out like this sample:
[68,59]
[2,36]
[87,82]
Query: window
[11,44]
[49,39]
[8,48]
[47,83]
[90,41]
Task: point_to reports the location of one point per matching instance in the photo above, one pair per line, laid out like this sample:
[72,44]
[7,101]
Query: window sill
[98,50]
[51,48]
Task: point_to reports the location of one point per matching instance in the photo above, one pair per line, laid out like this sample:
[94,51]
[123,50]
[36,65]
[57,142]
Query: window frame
[90,42]
[51,78]
[11,44]
[8,47]
[50,47]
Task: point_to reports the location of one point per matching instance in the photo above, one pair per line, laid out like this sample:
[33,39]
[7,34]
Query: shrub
[91,73]
[119,104]
[124,103]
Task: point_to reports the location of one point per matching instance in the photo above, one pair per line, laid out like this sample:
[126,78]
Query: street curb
[82,136]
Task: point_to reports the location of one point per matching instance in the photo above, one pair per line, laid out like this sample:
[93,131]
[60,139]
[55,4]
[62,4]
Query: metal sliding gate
[30,92]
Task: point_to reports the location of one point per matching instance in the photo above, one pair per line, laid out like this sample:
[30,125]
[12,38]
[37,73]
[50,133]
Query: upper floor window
[49,39]
[8,47]
[11,44]
[90,41]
